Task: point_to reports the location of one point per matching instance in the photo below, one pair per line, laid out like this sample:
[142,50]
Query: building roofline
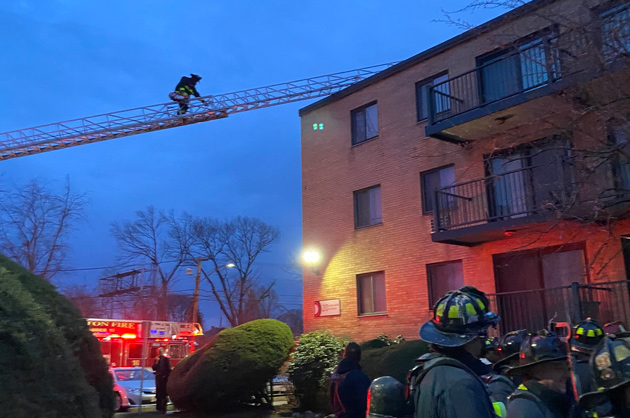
[429,53]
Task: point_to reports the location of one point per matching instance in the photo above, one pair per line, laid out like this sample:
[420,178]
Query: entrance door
[532,285]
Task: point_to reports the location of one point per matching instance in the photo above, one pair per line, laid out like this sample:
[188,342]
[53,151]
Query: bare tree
[261,302]
[160,242]
[239,241]
[294,319]
[87,302]
[179,307]
[35,224]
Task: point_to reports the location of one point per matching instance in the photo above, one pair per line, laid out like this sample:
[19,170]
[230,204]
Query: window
[529,65]
[135,350]
[442,277]
[371,293]
[435,179]
[364,123]
[619,137]
[528,178]
[367,207]
[615,31]
[441,96]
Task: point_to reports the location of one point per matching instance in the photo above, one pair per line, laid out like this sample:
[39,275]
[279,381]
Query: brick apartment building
[495,159]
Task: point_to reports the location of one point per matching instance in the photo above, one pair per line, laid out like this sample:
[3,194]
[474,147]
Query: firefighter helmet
[586,335]
[510,346]
[386,397]
[542,348]
[195,77]
[491,344]
[459,317]
[610,368]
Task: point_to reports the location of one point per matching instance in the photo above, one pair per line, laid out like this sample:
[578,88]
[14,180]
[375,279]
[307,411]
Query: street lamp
[195,301]
[312,258]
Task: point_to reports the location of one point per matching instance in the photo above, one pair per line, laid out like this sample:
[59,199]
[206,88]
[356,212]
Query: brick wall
[401,246]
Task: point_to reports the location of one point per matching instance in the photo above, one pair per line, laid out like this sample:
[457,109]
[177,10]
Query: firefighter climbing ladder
[123,123]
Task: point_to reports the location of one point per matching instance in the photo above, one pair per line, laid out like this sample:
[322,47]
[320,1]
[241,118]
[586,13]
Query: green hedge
[394,360]
[233,369]
[50,364]
[312,363]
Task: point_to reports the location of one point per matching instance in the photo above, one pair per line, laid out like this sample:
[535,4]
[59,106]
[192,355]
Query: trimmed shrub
[312,363]
[394,360]
[372,344]
[233,369]
[51,365]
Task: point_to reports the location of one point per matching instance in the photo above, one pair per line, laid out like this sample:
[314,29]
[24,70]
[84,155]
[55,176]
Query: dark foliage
[233,369]
[51,365]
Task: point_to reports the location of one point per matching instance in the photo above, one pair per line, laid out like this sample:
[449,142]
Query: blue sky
[64,59]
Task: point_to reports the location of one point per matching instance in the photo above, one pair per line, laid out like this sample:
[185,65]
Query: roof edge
[428,53]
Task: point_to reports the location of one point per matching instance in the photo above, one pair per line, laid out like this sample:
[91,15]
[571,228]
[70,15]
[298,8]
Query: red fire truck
[125,343]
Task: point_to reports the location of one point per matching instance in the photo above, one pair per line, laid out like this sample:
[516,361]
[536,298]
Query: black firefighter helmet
[586,335]
[510,346]
[459,317]
[541,348]
[610,368]
[386,397]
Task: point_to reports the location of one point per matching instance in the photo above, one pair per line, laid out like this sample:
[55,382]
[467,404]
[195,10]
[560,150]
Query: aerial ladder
[139,120]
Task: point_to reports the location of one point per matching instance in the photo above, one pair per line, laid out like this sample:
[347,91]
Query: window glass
[135,350]
[371,293]
[441,96]
[443,277]
[367,207]
[432,180]
[364,123]
[615,31]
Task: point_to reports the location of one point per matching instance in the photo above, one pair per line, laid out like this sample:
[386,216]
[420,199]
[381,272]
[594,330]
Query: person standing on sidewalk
[162,369]
[349,385]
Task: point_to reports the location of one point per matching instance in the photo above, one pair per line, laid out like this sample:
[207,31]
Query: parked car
[127,382]
[281,385]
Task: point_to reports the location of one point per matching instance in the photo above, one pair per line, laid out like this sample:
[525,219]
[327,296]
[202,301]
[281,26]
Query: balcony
[488,209]
[516,86]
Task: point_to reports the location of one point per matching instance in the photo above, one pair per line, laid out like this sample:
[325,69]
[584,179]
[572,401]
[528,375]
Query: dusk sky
[65,59]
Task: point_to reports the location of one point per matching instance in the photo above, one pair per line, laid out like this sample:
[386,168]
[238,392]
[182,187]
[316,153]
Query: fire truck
[130,343]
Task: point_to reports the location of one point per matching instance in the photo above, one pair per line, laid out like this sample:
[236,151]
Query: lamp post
[195,301]
[312,258]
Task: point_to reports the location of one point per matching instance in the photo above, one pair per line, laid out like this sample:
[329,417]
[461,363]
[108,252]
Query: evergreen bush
[233,369]
[392,360]
[51,365]
[312,363]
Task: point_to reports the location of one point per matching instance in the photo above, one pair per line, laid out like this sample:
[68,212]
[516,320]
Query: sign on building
[330,307]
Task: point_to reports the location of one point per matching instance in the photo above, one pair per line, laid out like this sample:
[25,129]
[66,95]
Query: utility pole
[195,301]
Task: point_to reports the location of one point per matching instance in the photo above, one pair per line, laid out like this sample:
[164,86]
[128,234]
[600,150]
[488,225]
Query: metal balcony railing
[533,65]
[510,195]
[535,309]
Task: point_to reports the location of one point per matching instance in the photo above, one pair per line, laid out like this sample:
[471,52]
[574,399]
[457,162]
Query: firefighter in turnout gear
[501,386]
[184,89]
[492,354]
[450,385]
[610,370]
[584,338]
[544,367]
